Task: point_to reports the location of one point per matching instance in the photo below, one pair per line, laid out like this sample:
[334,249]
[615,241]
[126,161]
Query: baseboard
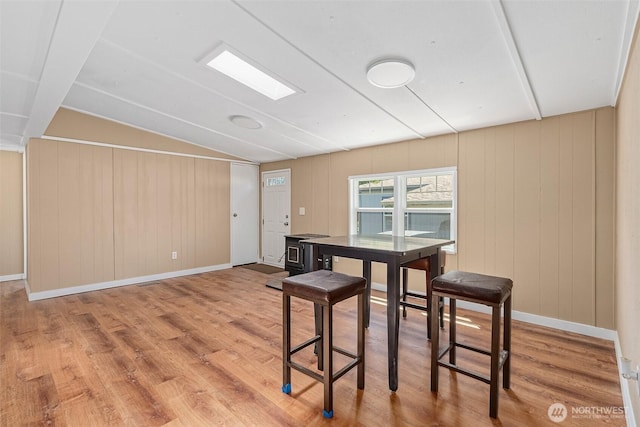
[35,296]
[11,277]
[550,322]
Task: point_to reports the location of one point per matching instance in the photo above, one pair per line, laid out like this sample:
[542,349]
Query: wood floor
[206,350]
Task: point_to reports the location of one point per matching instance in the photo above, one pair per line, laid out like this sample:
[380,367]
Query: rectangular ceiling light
[240,70]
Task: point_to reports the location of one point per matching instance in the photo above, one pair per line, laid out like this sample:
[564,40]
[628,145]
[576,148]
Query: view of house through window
[417,203]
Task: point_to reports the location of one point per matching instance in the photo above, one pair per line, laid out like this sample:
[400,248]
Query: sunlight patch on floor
[462,321]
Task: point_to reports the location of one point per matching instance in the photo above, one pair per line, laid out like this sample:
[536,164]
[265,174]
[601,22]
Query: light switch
[301,211]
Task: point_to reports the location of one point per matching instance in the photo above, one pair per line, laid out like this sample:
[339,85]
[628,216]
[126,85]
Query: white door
[276,215]
[245,213]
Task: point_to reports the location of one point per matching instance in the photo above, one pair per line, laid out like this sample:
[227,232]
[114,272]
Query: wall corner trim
[35,296]
[624,386]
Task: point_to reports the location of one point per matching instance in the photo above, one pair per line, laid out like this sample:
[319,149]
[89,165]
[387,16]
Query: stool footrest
[466,372]
[415,295]
[316,376]
[504,354]
[444,351]
[346,368]
[412,305]
[305,344]
[298,367]
[476,349]
[345,352]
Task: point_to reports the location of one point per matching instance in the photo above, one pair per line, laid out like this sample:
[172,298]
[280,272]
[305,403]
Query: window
[375,205]
[278,180]
[417,203]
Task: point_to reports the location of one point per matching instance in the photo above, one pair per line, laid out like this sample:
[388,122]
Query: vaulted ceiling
[143,63]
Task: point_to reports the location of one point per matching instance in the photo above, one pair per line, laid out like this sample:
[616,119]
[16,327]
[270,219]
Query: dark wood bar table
[393,251]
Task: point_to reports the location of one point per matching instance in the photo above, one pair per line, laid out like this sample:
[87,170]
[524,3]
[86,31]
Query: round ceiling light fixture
[245,122]
[390,73]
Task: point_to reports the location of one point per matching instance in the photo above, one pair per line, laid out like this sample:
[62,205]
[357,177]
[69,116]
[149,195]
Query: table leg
[393,321]
[366,273]
[434,260]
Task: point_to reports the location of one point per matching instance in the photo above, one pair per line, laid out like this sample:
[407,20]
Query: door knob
[235,215]
[286,223]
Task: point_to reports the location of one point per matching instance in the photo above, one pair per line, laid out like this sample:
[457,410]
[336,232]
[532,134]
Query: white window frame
[400,201]
[353,200]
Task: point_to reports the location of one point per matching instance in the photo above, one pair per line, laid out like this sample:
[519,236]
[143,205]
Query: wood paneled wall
[527,196]
[70,214]
[11,235]
[98,214]
[534,205]
[213,223]
[627,200]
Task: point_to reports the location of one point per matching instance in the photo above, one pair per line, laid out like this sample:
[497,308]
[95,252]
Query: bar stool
[494,292]
[324,288]
[422,264]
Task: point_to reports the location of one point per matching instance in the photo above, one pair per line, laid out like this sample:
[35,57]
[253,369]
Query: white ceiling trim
[20,116]
[144,150]
[633,14]
[331,73]
[225,97]
[453,129]
[19,76]
[66,55]
[11,147]
[503,23]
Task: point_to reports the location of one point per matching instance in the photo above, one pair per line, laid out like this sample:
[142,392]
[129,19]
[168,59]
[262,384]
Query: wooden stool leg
[405,279]
[361,327]
[429,305]
[317,315]
[495,361]
[435,346]
[327,353]
[506,368]
[286,343]
[366,273]
[452,331]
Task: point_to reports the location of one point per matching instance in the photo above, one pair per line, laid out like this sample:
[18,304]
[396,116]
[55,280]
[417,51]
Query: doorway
[276,215]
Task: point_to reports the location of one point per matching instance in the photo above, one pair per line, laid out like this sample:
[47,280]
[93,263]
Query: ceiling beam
[503,23]
[78,28]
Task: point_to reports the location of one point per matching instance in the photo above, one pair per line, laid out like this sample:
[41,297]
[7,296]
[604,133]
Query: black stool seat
[494,292]
[324,286]
[473,286]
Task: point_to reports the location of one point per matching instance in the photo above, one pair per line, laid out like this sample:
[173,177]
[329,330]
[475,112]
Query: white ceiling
[478,63]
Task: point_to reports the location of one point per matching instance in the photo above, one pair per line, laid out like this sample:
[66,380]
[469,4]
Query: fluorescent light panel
[245,73]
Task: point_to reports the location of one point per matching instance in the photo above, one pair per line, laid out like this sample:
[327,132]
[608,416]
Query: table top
[381,243]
